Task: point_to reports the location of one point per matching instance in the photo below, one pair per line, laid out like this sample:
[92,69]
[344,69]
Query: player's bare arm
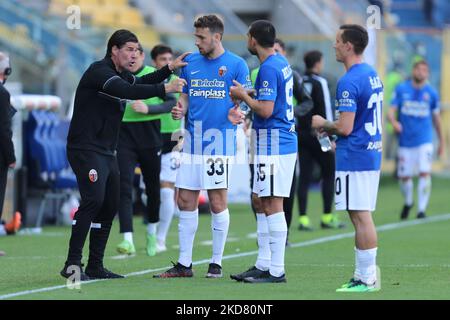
[341,127]
[261,107]
[438,127]
[392,118]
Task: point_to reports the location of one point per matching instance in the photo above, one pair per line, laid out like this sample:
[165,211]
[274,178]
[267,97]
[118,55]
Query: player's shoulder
[405,85]
[356,75]
[193,60]
[233,56]
[193,57]
[233,59]
[275,63]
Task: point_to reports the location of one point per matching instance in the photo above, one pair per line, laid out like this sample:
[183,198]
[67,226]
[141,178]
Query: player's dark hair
[356,35]
[119,39]
[311,58]
[160,49]
[418,63]
[281,43]
[264,33]
[212,22]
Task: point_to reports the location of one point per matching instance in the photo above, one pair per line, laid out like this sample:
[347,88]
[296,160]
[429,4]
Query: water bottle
[244,108]
[325,142]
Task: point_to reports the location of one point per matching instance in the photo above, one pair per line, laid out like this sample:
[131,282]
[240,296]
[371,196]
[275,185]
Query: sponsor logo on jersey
[206,83]
[222,71]
[208,94]
[415,108]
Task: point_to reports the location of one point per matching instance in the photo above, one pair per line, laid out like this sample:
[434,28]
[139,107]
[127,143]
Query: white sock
[166,211]
[407,190]
[278,233]
[187,226]
[424,190]
[2,230]
[128,236]
[357,274]
[151,228]
[367,265]
[262,229]
[220,223]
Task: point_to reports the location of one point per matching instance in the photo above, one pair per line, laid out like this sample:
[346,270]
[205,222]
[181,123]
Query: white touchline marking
[385,227]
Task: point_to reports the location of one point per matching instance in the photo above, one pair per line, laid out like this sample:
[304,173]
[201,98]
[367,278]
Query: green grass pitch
[413,259]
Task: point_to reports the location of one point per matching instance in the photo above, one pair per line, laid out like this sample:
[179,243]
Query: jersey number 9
[289,95]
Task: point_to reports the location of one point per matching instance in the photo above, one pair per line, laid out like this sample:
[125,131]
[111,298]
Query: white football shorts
[198,172]
[356,190]
[412,161]
[273,175]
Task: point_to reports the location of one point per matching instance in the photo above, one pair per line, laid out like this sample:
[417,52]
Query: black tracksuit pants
[310,152]
[3,180]
[98,182]
[149,160]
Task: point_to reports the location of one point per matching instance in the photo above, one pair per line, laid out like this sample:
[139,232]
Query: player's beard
[418,81]
[252,51]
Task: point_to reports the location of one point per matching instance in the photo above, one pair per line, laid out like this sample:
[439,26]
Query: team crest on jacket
[222,71]
[93,176]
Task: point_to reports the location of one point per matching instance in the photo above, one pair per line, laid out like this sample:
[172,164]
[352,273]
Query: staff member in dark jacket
[92,140]
[309,147]
[7,157]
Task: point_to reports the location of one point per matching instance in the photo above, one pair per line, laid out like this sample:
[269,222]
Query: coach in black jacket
[7,157]
[91,145]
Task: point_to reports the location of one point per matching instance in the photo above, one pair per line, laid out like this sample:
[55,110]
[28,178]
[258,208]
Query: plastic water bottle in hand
[244,108]
[325,142]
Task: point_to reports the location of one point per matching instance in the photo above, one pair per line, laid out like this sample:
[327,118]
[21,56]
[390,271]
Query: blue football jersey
[208,87]
[275,135]
[360,91]
[415,108]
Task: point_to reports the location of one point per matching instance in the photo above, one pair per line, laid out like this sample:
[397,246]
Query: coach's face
[139,62]
[206,41]
[125,58]
[341,49]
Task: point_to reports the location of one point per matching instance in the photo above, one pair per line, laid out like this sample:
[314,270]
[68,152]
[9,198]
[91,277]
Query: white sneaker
[160,247]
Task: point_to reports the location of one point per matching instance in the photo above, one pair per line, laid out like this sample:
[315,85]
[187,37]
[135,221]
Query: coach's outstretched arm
[341,127]
[163,73]
[109,82]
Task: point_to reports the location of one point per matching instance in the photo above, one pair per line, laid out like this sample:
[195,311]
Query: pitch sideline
[385,227]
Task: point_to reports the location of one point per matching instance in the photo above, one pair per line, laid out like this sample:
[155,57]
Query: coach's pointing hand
[175,85]
[178,62]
